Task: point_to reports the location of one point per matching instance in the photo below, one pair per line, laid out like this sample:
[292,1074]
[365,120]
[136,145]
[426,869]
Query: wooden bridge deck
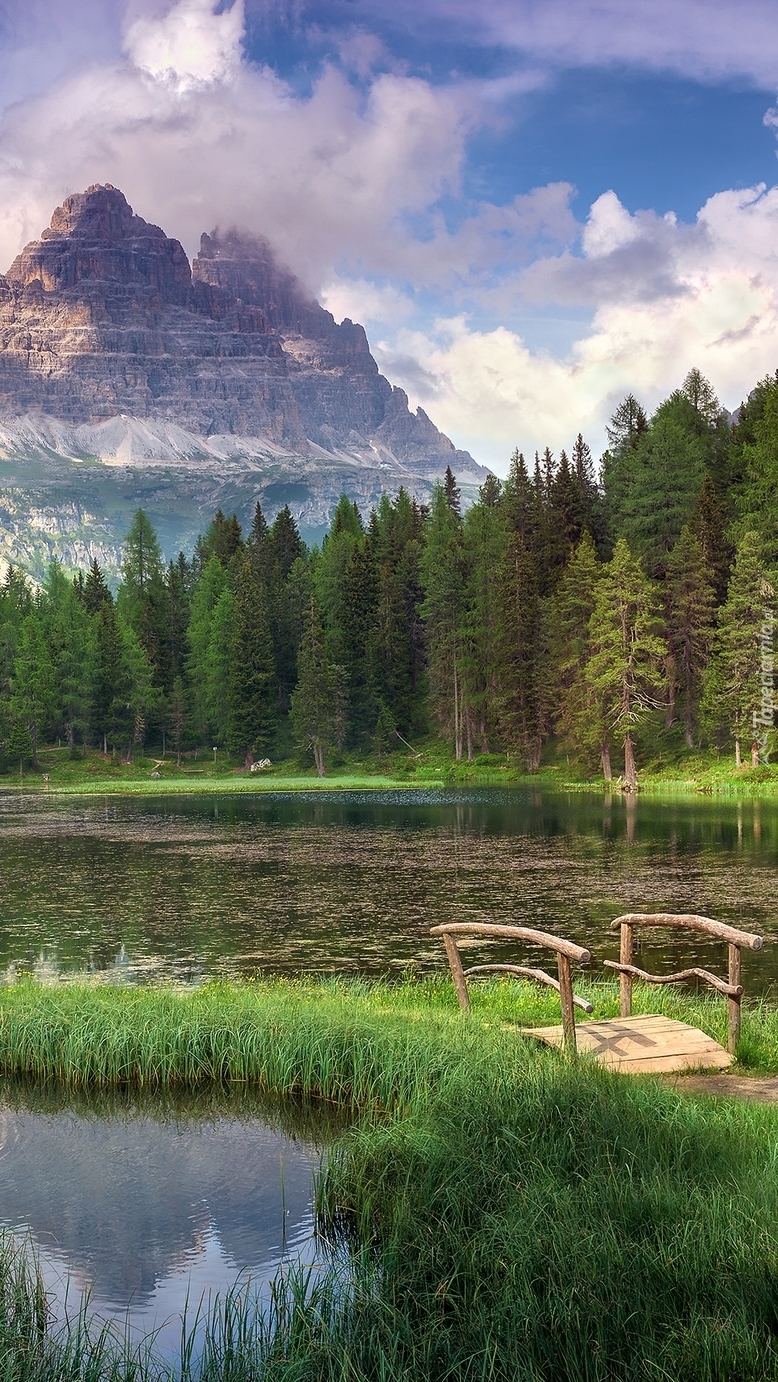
[637,1045]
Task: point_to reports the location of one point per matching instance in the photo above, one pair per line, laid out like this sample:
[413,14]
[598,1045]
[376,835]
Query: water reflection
[147,1203]
[185,888]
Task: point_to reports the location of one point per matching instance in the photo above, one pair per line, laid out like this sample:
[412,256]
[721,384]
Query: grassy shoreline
[513,1216]
[95,775]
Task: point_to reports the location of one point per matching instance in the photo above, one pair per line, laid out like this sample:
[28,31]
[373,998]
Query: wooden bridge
[632,1045]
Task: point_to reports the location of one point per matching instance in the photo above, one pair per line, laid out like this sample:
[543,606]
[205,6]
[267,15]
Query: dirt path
[729,1086]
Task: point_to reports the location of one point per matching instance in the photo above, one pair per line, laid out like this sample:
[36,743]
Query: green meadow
[495,1209]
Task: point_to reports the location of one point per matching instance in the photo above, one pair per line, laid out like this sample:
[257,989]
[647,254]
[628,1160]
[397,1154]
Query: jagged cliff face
[104,318]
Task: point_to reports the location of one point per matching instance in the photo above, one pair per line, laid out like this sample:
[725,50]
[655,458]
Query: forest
[600,615]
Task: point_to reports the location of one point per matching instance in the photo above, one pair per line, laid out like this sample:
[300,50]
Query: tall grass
[513,1216]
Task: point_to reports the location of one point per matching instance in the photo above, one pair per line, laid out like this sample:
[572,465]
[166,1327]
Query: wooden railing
[731,987]
[566,952]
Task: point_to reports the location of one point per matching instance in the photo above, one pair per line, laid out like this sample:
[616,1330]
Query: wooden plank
[639,1045]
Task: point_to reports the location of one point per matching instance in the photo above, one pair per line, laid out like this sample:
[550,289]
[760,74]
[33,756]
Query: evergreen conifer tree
[733,681]
[314,700]
[690,620]
[626,651]
[252,675]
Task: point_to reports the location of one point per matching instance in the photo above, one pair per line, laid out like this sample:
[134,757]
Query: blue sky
[534,208]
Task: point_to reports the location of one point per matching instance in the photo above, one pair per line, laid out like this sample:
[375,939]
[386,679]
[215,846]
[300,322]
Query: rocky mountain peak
[246,266]
[228,376]
[95,237]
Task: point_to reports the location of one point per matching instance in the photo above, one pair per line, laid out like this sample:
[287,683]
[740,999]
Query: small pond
[149,1205]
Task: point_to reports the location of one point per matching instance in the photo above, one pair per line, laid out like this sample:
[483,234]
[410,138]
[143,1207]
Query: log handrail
[527,973]
[731,987]
[720,985]
[565,952]
[688,921]
[574,952]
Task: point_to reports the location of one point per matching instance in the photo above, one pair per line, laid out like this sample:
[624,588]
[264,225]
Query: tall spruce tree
[577,719]
[689,599]
[733,681]
[443,608]
[252,675]
[314,700]
[626,651]
[521,702]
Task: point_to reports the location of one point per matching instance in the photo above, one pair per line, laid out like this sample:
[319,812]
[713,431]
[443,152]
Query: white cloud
[189,45]
[195,135]
[718,311]
[348,182]
[366,302]
[702,39]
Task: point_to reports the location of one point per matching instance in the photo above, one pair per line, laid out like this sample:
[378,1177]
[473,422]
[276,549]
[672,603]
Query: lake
[182,889]
[148,1205]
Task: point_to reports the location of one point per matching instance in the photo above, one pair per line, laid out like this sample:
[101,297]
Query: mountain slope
[118,357]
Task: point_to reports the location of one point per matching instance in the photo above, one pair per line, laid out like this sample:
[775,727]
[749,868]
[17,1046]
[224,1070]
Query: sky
[534,207]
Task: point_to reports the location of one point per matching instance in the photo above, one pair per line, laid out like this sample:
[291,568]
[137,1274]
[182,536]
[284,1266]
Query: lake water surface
[190,887]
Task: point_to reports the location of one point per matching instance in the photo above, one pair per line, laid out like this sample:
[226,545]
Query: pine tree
[443,608]
[690,620]
[32,685]
[211,586]
[733,682]
[95,592]
[358,637]
[626,652]
[577,718]
[138,696]
[107,687]
[520,699]
[314,700]
[252,674]
[484,542]
[668,470]
[68,633]
[143,597]
[216,666]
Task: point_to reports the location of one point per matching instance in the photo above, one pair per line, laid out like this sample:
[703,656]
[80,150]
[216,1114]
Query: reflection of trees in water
[127,1191]
[328,883]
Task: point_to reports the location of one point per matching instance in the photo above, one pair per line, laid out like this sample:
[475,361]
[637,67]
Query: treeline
[595,614]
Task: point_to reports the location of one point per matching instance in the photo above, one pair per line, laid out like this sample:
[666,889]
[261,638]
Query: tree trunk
[469,728]
[670,711]
[630,776]
[457,718]
[754,754]
[34,742]
[318,758]
[605,759]
[738,759]
[105,745]
[70,736]
[688,703]
[484,738]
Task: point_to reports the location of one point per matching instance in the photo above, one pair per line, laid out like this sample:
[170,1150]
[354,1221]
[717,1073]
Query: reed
[511,1215]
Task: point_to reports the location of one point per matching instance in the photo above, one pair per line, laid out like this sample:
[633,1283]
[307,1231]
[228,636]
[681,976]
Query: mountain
[129,377]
